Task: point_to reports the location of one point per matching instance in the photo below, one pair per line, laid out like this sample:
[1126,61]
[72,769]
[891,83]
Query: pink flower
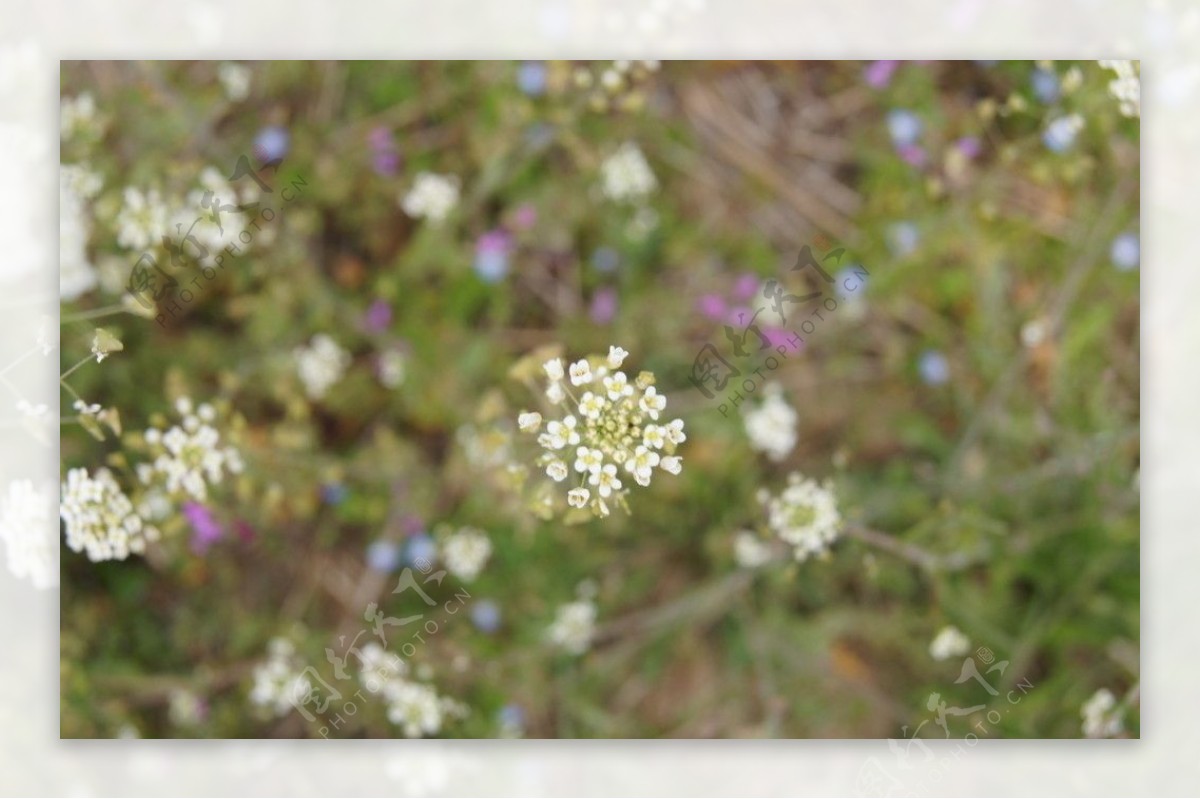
[878,74]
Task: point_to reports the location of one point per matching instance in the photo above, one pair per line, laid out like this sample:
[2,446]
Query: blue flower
[851,282]
[531,77]
[272,144]
[485,615]
[383,556]
[934,368]
[903,238]
[605,259]
[491,255]
[904,126]
[511,718]
[1126,252]
[1060,134]
[421,550]
[334,493]
[1045,85]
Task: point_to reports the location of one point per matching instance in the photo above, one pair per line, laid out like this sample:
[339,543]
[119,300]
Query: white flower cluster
[77,115]
[76,274]
[750,550]
[189,457]
[465,552]
[320,365]
[413,706]
[235,80]
[1101,716]
[27,533]
[142,220]
[185,708]
[574,627]
[950,642]
[278,681]
[1126,88]
[614,426]
[392,367]
[626,174]
[100,518]
[432,197]
[771,425]
[804,515]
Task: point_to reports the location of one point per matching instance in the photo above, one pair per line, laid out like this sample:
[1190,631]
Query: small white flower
[654,436]
[1101,716]
[574,626]
[562,433]
[616,357]
[626,175]
[557,471]
[642,464]
[432,197]
[949,643]
[591,405]
[581,373]
[320,365]
[529,422]
[805,515]
[674,432]
[588,460]
[771,426]
[465,552]
[555,393]
[672,464]
[235,80]
[605,480]
[750,551]
[652,402]
[554,369]
[617,386]
[578,497]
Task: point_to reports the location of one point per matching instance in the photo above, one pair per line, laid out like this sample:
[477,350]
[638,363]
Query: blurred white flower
[749,550]
[142,220]
[392,368]
[465,552]
[1101,716]
[76,274]
[235,80]
[626,175]
[29,533]
[100,519]
[804,515]
[320,365]
[188,456]
[949,643]
[574,627]
[1126,88]
[432,197]
[279,681]
[771,425]
[77,115]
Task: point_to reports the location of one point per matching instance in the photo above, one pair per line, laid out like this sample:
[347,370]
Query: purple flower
[511,718]
[205,529]
[604,305]
[969,146]
[903,238]
[1045,85]
[713,306]
[492,251]
[525,216]
[385,159]
[334,493]
[779,336]
[272,144]
[378,317]
[912,154]
[879,73]
[745,287]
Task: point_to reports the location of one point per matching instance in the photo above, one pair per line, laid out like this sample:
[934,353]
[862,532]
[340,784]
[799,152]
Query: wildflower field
[598,400]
